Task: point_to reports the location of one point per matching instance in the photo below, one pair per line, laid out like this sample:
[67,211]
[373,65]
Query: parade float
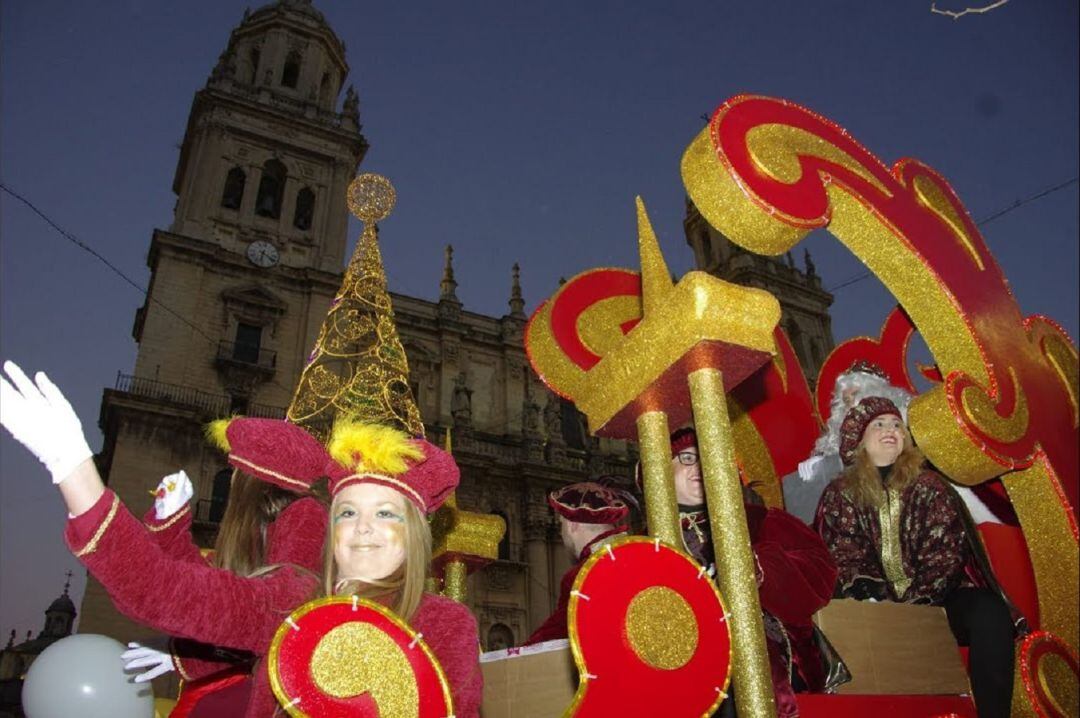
[640,354]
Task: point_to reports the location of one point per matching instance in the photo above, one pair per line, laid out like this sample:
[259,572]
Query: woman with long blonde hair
[383,486]
[898,533]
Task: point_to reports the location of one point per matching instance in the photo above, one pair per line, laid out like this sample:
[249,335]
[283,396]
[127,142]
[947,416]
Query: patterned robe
[914,549]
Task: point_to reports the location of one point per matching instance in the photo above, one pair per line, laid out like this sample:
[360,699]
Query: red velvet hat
[371,453]
[588,503]
[867,367]
[856,421]
[273,450]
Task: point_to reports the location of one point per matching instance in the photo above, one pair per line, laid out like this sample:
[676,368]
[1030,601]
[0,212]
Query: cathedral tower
[243,276]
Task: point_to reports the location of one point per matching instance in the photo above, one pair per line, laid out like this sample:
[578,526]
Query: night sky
[518,134]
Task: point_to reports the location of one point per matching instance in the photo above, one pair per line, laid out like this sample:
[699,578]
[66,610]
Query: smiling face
[884,439]
[369,531]
[689,490]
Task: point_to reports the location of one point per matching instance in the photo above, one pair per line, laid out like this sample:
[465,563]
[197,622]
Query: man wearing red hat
[590,516]
[795,575]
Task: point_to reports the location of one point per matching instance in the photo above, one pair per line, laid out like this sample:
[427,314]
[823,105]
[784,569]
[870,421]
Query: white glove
[140,656]
[42,420]
[806,468]
[172,494]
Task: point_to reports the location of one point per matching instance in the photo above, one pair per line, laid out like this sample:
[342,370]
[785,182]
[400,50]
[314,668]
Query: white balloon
[83,676]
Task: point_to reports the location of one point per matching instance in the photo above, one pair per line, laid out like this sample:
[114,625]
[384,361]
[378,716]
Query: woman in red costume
[383,486]
[266,556]
[897,533]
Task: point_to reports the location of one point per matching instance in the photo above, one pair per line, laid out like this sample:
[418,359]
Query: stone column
[536,553]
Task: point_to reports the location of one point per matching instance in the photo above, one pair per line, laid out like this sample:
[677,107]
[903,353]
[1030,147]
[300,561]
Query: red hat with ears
[589,503]
[372,453]
[272,450]
[856,421]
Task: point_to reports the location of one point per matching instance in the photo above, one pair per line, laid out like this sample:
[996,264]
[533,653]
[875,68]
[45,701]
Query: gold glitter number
[661,628]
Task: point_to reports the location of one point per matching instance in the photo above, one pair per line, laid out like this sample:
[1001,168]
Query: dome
[63,604]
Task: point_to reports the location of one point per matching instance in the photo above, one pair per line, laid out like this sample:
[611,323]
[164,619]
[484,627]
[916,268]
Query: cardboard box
[894,648]
[533,682]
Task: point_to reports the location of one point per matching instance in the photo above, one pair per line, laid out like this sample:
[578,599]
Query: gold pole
[731,542]
[658,479]
[454,580]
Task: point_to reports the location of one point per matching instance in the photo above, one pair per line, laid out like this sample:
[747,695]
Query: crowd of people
[868,519]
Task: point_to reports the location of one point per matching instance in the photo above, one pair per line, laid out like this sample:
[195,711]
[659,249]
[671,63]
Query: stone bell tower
[242,277]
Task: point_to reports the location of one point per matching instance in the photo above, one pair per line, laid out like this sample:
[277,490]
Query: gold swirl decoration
[765,172]
[358,366]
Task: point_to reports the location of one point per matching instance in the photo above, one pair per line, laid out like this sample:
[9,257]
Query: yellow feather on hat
[215,433]
[381,449]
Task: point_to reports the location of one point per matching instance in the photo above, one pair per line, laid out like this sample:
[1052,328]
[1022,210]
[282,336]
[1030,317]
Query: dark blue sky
[517,133]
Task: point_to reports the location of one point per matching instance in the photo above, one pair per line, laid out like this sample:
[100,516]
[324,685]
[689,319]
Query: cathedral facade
[243,277]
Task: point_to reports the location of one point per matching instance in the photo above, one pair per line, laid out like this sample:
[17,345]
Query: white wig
[863,385]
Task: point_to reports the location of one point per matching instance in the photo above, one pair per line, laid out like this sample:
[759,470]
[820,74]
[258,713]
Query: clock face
[262,254]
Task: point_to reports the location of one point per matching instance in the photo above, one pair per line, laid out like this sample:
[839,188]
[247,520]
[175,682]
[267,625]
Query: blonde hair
[406,585]
[862,480]
[253,505]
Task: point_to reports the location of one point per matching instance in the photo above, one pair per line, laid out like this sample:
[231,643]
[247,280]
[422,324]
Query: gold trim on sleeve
[91,545]
[172,520]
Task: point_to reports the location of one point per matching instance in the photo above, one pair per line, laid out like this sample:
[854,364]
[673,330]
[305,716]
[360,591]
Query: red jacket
[449,629]
[189,599]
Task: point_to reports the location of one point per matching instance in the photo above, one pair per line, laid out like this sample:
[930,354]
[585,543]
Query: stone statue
[530,417]
[553,419]
[461,401]
[351,106]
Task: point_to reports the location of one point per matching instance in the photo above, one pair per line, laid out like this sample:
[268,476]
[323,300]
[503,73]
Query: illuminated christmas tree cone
[640,354]
[358,366]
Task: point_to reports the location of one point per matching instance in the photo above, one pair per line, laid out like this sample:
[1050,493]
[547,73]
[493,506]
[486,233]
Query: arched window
[305,209]
[499,637]
[253,63]
[220,494]
[271,187]
[234,189]
[291,74]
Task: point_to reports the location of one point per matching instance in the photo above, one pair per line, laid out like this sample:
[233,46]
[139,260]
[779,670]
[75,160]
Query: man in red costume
[795,576]
[590,516]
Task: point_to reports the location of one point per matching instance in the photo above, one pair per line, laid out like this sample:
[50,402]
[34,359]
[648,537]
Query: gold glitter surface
[371,197]
[358,366]
[727,207]
[735,567]
[466,532]
[892,557]
[930,195]
[1052,547]
[658,478]
[754,454]
[776,150]
[455,580]
[661,628]
[699,308]
[980,409]
[1060,683]
[356,658]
